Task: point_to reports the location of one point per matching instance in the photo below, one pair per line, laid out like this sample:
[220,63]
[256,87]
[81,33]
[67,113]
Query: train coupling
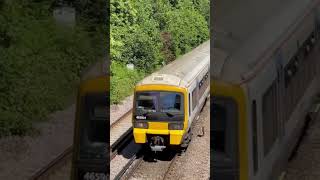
[157,148]
[157,143]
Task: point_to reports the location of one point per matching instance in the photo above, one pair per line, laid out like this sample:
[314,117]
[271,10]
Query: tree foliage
[150,33]
[40,63]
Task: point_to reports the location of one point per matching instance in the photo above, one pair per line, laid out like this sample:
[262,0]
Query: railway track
[170,165]
[127,171]
[140,168]
[123,130]
[66,155]
[54,165]
[121,134]
[117,145]
[128,113]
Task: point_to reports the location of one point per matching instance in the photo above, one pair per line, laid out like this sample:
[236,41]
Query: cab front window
[219,127]
[159,106]
[224,137]
[93,136]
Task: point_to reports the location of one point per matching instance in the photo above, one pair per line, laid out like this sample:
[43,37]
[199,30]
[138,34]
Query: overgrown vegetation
[41,61]
[151,33]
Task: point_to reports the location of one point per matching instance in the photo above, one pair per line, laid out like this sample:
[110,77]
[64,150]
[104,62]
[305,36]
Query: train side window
[203,84]
[194,98]
[270,120]
[189,104]
[254,136]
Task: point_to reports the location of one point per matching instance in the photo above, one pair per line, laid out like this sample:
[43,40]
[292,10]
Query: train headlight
[176,126]
[142,125]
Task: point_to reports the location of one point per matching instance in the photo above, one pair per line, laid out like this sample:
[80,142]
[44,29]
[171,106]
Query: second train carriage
[261,95]
[167,102]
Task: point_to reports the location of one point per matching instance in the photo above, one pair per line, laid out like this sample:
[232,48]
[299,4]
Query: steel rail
[53,165]
[57,162]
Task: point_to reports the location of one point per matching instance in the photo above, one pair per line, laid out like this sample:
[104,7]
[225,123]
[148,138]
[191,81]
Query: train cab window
[97,118]
[93,126]
[170,102]
[270,118]
[224,138]
[254,136]
[147,102]
[159,106]
[194,98]
[219,126]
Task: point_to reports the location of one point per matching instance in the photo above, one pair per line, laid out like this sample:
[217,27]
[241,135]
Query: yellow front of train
[90,132]
[229,131]
[160,115]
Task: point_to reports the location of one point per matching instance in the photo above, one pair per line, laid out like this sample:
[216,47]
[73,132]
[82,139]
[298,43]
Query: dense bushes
[40,63]
[150,33]
[123,80]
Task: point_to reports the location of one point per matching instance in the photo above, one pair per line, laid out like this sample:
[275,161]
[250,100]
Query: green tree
[40,63]
[149,33]
[188,28]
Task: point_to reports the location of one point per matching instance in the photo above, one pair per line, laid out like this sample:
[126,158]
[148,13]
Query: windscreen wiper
[169,114]
[145,114]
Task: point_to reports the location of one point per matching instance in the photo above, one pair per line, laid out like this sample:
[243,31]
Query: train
[168,101]
[91,130]
[262,89]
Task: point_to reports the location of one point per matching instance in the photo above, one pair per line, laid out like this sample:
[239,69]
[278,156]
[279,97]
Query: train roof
[242,34]
[183,70]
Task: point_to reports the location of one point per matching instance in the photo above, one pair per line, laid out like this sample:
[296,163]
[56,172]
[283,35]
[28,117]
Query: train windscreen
[159,106]
[224,138]
[219,127]
[93,133]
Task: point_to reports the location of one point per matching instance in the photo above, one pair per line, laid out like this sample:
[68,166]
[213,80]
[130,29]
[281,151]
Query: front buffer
[158,139]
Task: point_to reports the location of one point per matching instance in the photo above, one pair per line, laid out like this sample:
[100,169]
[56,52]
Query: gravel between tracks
[21,157]
[306,165]
[63,173]
[122,158]
[151,170]
[193,164]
